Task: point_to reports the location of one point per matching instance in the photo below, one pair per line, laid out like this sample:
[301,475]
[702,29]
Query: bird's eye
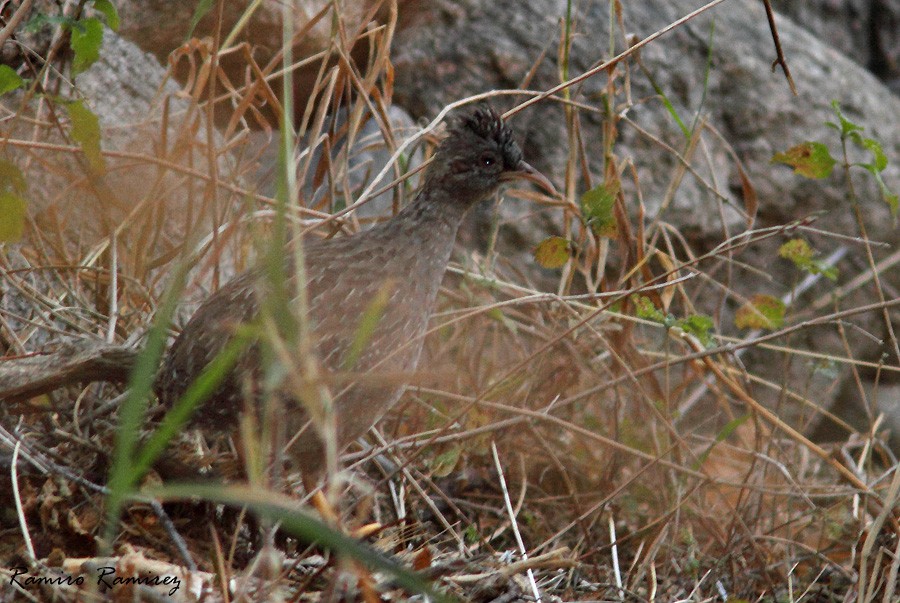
[488,159]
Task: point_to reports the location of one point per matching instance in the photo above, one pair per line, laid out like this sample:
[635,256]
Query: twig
[788,299]
[873,531]
[613,61]
[552,559]
[614,553]
[779,60]
[512,519]
[20,511]
[113,287]
[777,422]
[461,545]
[71,362]
[14,21]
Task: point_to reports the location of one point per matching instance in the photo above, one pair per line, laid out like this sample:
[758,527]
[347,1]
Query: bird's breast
[372,315]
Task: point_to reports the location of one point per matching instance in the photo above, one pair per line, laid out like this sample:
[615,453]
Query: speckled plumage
[405,257]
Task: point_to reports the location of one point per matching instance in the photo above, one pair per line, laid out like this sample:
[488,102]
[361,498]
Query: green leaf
[86,132]
[760,312]
[668,104]
[9,79]
[698,325]
[444,463]
[645,309]
[597,208]
[880,161]
[41,20]
[11,177]
[846,126]
[802,255]
[796,250]
[108,10]
[198,391]
[829,272]
[12,217]
[826,368]
[87,38]
[810,159]
[887,195]
[133,410]
[203,7]
[553,252]
[723,434]
[496,314]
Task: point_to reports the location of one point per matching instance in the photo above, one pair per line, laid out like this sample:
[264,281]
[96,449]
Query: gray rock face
[369,155]
[457,49]
[867,31]
[122,89]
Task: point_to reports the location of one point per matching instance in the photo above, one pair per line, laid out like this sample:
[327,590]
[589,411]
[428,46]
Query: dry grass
[559,438]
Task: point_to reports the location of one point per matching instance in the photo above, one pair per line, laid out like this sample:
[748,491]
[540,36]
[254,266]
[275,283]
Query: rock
[457,49]
[369,155]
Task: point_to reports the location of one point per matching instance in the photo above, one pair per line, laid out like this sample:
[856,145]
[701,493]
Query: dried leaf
[422,559]
[748,192]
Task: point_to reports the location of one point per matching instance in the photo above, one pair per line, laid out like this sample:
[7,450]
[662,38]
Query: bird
[401,261]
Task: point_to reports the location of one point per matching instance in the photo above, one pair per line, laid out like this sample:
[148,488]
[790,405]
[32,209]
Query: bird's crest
[486,123]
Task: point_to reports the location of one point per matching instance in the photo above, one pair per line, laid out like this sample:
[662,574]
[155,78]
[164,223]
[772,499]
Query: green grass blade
[195,395]
[301,524]
[133,411]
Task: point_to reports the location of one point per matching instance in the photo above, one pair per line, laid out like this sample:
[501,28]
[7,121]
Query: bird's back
[370,299]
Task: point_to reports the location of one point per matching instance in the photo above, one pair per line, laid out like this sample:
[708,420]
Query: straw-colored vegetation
[586,431]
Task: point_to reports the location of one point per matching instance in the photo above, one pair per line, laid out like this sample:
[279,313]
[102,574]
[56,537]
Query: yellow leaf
[86,132]
[12,217]
[553,252]
[810,159]
[760,312]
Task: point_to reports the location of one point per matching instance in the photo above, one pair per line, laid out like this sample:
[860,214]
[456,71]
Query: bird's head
[477,155]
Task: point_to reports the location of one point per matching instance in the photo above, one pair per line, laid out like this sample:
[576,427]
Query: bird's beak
[524,171]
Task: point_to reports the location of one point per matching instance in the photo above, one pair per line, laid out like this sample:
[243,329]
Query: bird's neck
[433,215]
